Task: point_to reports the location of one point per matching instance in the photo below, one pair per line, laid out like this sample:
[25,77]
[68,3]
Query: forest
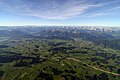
[44,53]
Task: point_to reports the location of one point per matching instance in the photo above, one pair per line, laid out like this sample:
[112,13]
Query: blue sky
[60,12]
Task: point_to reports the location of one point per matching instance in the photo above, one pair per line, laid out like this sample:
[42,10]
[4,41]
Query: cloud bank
[59,9]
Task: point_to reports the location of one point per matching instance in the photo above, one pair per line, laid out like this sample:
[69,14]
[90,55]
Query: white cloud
[103,13]
[52,9]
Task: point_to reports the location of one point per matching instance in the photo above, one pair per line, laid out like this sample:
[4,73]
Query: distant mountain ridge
[98,35]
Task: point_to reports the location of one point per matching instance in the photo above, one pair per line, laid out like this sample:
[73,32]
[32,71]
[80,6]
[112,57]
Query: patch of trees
[3,46]
[69,77]
[110,43]
[11,58]
[56,71]
[118,71]
[107,55]
[111,67]
[1,73]
[102,76]
[78,51]
[57,49]
[44,76]
[70,71]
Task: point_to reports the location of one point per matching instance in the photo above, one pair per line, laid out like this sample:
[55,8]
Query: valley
[59,53]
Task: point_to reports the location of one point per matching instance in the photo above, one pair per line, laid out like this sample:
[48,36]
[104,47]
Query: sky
[60,12]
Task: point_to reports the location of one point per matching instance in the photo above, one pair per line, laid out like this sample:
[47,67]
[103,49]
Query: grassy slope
[57,66]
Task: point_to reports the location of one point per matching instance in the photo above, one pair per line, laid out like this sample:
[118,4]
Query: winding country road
[94,67]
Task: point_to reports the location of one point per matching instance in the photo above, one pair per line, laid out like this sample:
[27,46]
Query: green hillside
[56,59]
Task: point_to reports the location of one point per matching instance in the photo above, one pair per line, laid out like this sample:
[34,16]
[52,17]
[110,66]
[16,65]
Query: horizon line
[56,26]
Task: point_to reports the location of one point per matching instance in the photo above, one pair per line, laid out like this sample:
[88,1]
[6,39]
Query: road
[115,74]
